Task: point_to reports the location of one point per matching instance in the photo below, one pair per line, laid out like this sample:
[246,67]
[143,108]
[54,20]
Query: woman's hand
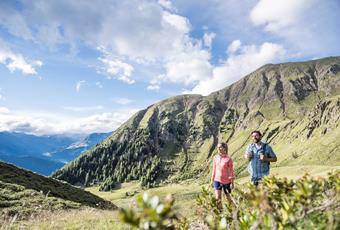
[232,185]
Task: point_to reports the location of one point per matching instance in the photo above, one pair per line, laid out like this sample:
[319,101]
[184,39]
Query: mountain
[36,164]
[27,144]
[44,154]
[295,105]
[24,193]
[76,148]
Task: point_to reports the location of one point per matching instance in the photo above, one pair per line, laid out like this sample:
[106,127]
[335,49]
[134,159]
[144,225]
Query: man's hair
[258,132]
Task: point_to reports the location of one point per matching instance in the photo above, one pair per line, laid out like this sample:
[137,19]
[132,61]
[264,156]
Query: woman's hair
[224,145]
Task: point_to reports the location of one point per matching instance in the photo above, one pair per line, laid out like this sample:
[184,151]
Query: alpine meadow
[169,114]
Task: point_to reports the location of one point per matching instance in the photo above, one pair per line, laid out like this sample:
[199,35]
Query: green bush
[152,213]
[308,203]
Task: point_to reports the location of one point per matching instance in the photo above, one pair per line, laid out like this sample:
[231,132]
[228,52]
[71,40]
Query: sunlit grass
[185,194]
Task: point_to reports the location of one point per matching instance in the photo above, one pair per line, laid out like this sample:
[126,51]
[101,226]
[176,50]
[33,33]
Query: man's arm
[271,159]
[248,154]
[272,156]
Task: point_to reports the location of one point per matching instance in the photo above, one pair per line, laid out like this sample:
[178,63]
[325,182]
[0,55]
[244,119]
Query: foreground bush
[308,203]
[151,213]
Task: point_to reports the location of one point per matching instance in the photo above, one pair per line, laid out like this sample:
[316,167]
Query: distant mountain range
[44,154]
[295,105]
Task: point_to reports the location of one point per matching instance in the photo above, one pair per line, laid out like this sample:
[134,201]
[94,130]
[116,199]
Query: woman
[223,173]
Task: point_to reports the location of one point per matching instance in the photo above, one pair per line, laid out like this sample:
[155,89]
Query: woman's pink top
[223,169]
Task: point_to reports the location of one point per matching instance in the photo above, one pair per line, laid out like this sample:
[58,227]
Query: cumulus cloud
[153,87]
[118,69]
[278,15]
[233,47]
[4,110]
[309,27]
[48,124]
[84,108]
[208,39]
[134,32]
[80,84]
[190,66]
[99,85]
[121,100]
[15,61]
[1,95]
[167,4]
[248,58]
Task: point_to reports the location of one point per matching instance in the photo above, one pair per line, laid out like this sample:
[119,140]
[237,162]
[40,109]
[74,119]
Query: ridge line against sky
[80,67]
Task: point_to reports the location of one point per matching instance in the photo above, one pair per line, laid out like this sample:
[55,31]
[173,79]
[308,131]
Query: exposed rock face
[295,105]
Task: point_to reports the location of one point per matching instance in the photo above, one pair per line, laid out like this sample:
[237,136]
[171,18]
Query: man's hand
[212,184]
[247,156]
[273,159]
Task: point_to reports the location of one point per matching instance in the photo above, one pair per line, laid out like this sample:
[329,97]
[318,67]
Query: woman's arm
[232,174]
[213,173]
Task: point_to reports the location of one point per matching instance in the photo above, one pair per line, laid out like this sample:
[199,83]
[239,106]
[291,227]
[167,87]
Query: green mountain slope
[295,105]
[24,193]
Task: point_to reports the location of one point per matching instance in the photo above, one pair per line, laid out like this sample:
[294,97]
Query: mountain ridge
[174,139]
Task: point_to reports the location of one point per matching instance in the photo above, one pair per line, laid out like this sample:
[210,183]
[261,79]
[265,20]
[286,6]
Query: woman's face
[221,149]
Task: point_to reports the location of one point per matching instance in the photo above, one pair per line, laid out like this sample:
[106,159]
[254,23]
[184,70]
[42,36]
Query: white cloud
[190,66]
[208,39]
[121,100]
[80,84]
[1,95]
[130,33]
[84,108]
[15,61]
[42,124]
[308,27]
[4,110]
[238,65]
[167,4]
[13,22]
[279,14]
[234,47]
[116,68]
[99,85]
[153,87]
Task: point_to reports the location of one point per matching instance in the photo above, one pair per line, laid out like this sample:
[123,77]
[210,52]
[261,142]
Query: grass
[86,218]
[11,174]
[16,200]
[185,204]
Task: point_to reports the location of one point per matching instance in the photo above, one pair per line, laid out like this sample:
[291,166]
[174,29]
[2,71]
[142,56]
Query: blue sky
[85,66]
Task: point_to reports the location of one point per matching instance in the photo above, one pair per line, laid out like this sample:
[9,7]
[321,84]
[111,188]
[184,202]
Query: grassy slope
[184,193]
[24,193]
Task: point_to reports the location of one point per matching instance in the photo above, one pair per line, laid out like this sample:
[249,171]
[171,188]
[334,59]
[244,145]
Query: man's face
[256,137]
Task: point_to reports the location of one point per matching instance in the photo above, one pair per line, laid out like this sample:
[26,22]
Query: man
[259,155]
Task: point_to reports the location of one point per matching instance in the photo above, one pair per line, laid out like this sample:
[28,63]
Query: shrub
[151,213]
[308,203]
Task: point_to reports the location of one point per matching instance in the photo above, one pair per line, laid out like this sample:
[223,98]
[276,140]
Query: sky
[87,66]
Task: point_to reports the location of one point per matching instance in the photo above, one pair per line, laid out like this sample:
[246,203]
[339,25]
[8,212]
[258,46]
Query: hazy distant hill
[295,105]
[73,150]
[44,154]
